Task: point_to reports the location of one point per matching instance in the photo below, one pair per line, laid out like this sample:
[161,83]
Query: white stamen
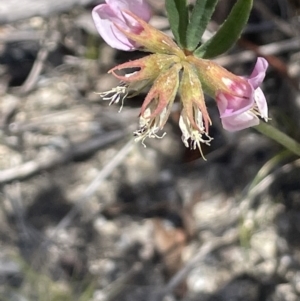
[192,137]
[116,94]
[149,127]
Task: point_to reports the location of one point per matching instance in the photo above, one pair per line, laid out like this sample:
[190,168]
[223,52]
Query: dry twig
[212,245]
[74,151]
[90,190]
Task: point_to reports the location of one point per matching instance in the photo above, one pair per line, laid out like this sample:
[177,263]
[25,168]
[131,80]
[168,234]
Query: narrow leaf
[200,17]
[228,33]
[177,11]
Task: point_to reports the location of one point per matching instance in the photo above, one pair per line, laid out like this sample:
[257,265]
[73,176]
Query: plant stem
[280,137]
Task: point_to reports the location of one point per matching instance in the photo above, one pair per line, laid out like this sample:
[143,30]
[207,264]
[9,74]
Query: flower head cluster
[171,70]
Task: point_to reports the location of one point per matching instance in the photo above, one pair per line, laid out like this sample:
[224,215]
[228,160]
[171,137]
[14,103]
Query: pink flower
[105,17]
[171,70]
[240,109]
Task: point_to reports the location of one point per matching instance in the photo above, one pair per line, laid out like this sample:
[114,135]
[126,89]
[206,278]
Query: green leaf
[200,17]
[178,16]
[228,33]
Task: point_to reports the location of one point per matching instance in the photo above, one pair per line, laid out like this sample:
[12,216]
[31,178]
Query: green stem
[280,137]
[268,166]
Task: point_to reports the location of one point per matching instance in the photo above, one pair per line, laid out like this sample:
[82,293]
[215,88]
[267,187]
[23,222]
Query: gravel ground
[87,214]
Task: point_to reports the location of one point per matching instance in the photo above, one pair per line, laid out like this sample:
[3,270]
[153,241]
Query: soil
[88,214]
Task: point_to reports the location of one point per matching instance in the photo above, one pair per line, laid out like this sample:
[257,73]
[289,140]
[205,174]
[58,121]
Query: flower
[158,103]
[194,120]
[171,69]
[240,100]
[240,111]
[107,16]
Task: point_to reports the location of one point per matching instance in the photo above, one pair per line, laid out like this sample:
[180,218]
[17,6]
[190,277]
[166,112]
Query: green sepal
[200,17]
[229,32]
[178,16]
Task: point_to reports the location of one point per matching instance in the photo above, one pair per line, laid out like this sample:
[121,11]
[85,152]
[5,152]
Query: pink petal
[235,112]
[239,122]
[259,72]
[229,105]
[103,18]
[106,15]
[138,7]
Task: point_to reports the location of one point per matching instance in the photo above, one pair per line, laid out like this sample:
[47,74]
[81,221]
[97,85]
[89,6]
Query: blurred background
[85,214]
